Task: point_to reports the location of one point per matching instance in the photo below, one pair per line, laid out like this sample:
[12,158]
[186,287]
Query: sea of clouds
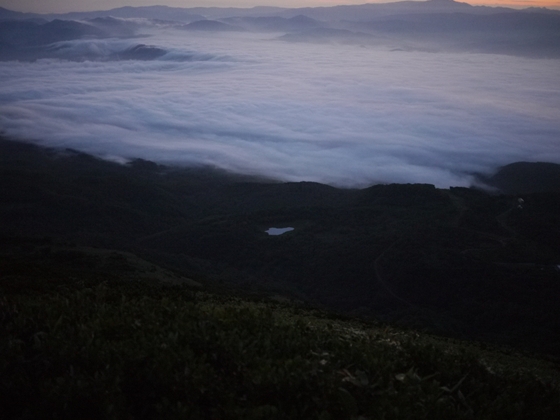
[346,115]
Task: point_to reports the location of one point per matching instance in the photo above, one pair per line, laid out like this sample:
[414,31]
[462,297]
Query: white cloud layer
[343,115]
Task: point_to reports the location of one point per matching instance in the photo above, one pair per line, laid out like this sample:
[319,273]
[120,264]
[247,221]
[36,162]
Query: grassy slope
[98,343]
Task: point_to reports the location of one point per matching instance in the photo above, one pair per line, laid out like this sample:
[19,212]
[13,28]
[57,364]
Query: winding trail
[380,278]
[502,220]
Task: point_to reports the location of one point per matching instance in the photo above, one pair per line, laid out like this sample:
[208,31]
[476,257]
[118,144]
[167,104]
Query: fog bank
[347,115]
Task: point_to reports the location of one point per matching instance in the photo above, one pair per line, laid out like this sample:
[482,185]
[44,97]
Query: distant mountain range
[434,25]
[211,25]
[358,13]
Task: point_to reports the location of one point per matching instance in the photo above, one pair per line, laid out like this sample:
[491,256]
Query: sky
[346,115]
[62,6]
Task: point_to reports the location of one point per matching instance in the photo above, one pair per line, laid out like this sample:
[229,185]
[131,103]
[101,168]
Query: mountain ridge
[342,12]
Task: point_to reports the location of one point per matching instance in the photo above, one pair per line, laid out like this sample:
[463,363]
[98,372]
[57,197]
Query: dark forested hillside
[458,262]
[527,177]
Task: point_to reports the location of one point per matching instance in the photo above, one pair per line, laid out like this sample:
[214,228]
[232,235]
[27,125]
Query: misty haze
[347,97]
[346,212]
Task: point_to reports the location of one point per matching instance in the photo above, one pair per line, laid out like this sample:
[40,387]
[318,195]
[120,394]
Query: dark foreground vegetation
[142,291]
[75,346]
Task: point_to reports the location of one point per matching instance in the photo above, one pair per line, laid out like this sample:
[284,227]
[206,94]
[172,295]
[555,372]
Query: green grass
[122,349]
[86,330]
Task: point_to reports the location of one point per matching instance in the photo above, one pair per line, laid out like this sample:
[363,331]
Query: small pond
[278,231]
